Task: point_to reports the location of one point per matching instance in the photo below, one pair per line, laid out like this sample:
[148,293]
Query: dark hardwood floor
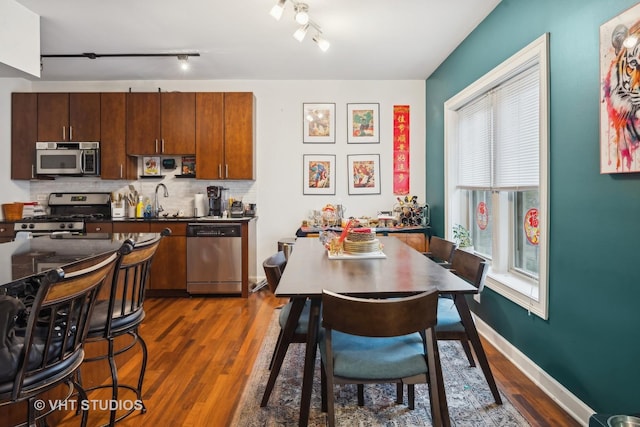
[201,352]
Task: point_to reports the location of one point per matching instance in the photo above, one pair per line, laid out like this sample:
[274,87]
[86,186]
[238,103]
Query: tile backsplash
[181,190]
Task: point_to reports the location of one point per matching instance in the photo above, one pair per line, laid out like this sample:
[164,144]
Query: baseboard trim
[567,401]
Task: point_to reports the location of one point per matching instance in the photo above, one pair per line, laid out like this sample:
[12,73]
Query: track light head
[277,10]
[323,43]
[301,33]
[184,62]
[302,13]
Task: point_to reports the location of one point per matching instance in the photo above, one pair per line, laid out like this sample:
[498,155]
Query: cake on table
[361,241]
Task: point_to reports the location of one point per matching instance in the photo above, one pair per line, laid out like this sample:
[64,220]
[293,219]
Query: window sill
[518,289]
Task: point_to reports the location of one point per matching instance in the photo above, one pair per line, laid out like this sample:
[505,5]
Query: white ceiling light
[301,16]
[302,13]
[184,62]
[277,10]
[323,43]
[301,32]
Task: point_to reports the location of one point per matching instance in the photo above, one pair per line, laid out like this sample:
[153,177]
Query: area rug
[470,401]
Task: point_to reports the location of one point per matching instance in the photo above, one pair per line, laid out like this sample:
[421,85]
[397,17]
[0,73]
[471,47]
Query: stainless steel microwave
[68,158]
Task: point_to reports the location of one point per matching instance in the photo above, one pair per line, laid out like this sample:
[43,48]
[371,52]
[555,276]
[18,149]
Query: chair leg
[82,396]
[275,349]
[143,370]
[360,394]
[331,416]
[399,393]
[323,388]
[467,350]
[114,381]
[411,396]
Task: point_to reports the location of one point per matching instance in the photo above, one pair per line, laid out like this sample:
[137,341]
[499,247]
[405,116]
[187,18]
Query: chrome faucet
[157,208]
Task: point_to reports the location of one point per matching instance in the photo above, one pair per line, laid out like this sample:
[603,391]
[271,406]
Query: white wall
[278,188]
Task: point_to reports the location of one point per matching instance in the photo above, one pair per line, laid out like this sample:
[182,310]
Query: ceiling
[240,40]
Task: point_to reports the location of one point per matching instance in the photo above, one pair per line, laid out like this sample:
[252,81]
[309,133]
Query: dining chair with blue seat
[381,341]
[273,268]
[441,250]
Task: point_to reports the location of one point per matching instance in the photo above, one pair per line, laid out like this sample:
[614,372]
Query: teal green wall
[591,341]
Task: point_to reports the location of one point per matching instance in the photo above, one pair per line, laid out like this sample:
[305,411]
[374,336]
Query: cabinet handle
[70,133]
[219,170]
[64,133]
[156,145]
[121,170]
[226,170]
[98,228]
[33,170]
[162,145]
[2,230]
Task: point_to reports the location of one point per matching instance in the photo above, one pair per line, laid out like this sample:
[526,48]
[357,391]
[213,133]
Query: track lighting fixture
[301,17]
[183,58]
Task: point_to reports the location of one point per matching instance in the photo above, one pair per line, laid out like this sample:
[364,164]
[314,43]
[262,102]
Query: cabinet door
[84,117]
[53,117]
[130,227]
[178,123]
[99,227]
[209,135]
[143,123]
[169,266]
[24,134]
[6,232]
[415,240]
[115,164]
[239,151]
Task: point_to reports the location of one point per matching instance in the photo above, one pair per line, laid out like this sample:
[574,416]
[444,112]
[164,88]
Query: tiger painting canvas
[620,92]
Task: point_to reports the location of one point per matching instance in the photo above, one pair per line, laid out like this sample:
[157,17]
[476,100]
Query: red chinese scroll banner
[401,149]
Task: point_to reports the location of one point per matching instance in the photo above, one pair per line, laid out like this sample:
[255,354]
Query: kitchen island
[23,259]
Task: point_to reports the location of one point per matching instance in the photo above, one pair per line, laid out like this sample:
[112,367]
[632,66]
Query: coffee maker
[217,199]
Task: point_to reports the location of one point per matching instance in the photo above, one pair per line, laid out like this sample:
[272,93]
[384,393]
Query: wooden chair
[121,313]
[472,268]
[273,268]
[46,349]
[382,341]
[441,250]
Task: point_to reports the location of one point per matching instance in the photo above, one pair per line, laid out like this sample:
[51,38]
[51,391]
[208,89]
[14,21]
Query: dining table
[398,271]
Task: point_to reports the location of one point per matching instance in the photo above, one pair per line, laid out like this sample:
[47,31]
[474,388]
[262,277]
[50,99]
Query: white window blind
[517,132]
[474,136]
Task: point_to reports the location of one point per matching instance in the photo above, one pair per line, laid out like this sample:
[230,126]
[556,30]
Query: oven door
[59,162]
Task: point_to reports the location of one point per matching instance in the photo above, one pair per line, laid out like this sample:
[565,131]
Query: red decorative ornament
[531,226]
[482,215]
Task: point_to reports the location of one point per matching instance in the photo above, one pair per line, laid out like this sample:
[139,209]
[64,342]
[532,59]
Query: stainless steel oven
[214,258]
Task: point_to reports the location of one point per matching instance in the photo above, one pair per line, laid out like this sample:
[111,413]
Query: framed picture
[319,123]
[151,166]
[363,123]
[319,172]
[619,109]
[364,173]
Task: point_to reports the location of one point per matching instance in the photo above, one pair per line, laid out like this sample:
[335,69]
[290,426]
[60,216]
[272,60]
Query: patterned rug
[470,401]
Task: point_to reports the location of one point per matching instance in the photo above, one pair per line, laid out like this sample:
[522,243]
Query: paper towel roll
[200,205]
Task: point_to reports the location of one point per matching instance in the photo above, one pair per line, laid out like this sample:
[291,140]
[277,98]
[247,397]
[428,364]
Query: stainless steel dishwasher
[214,258]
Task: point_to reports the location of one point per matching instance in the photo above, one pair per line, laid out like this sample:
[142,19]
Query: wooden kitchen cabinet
[225,135]
[114,162]
[418,241]
[6,232]
[24,134]
[169,267]
[71,117]
[161,123]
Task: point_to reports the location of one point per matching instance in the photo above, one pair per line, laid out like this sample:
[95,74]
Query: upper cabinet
[162,123]
[24,134]
[225,139]
[115,164]
[69,117]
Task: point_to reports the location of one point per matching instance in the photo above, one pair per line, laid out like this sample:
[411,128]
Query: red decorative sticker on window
[531,229]
[482,215]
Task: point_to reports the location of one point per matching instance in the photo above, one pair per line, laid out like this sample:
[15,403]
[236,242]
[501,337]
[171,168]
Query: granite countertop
[185,219]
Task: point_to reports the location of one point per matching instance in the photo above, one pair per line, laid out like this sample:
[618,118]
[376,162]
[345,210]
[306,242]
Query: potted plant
[462,237]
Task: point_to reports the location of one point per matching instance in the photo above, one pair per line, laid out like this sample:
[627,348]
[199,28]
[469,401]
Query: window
[496,183]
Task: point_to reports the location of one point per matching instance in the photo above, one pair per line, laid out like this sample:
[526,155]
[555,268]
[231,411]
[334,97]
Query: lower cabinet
[169,267]
[6,232]
[418,241]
